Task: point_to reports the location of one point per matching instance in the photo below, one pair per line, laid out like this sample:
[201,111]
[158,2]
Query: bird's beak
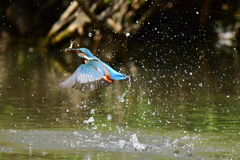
[75,50]
[71,50]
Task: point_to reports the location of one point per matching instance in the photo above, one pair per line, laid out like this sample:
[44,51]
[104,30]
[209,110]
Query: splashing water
[129,86]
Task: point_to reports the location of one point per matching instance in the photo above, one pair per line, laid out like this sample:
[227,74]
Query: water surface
[170,112]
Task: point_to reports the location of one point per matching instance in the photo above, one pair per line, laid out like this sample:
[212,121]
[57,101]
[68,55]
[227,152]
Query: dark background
[179,25]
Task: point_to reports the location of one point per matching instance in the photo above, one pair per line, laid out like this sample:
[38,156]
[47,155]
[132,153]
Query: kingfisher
[93,74]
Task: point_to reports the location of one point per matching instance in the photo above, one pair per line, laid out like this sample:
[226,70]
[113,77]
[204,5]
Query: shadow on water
[182,111]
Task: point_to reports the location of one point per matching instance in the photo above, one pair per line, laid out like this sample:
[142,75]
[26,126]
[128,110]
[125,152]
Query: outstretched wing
[86,77]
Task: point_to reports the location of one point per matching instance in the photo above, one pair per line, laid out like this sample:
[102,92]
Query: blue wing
[86,77]
[112,73]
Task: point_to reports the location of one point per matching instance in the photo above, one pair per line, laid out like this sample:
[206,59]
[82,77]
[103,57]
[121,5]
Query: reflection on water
[182,102]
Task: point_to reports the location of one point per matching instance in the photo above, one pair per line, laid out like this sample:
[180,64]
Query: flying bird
[93,74]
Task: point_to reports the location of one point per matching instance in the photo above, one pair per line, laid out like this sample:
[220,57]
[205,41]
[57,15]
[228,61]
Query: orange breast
[107,78]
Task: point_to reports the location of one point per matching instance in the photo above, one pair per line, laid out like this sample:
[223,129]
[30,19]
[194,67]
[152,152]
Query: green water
[189,112]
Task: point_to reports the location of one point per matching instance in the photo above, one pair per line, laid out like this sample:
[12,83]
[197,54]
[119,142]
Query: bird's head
[82,52]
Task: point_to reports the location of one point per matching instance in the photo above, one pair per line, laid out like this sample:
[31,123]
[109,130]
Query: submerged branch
[111,10]
[88,12]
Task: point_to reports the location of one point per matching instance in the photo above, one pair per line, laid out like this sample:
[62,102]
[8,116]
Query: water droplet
[30,49]
[90,119]
[90,34]
[92,111]
[109,117]
[127,34]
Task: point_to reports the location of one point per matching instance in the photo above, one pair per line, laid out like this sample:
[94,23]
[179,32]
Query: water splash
[129,86]
[136,144]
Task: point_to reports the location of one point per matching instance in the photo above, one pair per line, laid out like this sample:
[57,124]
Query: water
[182,111]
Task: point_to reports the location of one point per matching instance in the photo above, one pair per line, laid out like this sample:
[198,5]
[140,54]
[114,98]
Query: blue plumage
[92,75]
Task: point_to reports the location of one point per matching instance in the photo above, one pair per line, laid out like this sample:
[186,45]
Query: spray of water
[129,86]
